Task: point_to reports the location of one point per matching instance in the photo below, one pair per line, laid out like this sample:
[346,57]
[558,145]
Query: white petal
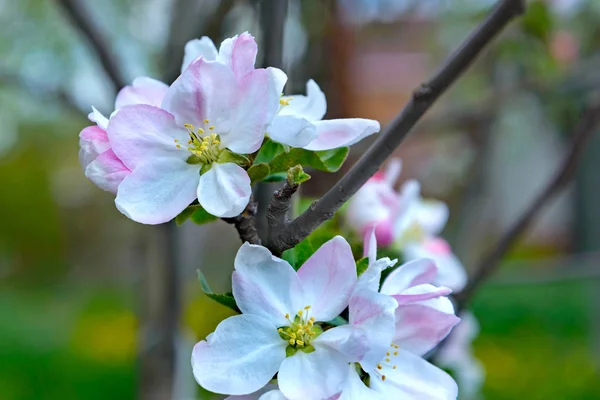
[224,190]
[203,47]
[347,340]
[414,379]
[355,389]
[265,285]
[328,278]
[335,133]
[372,313]
[318,375]
[412,273]
[273,395]
[258,395]
[392,171]
[158,191]
[239,53]
[97,117]
[312,107]
[450,271]
[107,171]
[291,130]
[144,90]
[240,357]
[372,276]
[432,216]
[279,79]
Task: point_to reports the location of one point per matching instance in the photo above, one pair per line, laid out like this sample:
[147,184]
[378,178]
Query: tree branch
[279,207]
[245,223]
[590,121]
[422,99]
[74,10]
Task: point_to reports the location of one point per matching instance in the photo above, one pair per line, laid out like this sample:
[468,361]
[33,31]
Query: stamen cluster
[301,330]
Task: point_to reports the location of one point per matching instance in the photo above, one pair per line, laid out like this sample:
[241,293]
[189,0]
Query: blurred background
[95,306]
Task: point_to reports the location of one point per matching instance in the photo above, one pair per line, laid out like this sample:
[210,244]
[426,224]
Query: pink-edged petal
[420,293]
[265,285]
[371,278]
[366,209]
[355,389]
[370,245]
[335,133]
[257,105]
[203,47]
[311,107]
[239,53]
[414,379]
[158,191]
[205,90]
[412,273]
[317,375]
[404,213]
[347,340]
[107,171]
[97,117]
[239,357]
[146,134]
[372,314]
[224,190]
[328,278]
[144,90]
[291,130]
[421,326]
[450,271]
[93,142]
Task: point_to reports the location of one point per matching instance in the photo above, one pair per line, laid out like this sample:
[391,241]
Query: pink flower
[183,150]
[423,317]
[100,163]
[407,221]
[279,330]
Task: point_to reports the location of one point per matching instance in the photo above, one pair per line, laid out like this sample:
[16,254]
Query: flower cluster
[403,220]
[164,147]
[290,329]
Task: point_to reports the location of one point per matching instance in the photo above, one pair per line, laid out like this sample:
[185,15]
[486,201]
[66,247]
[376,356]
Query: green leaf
[362,265]
[297,175]
[225,299]
[258,172]
[228,156]
[537,21]
[337,321]
[278,177]
[196,213]
[328,160]
[299,254]
[268,151]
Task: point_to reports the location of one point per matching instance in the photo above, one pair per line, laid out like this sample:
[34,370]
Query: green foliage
[227,156]
[296,175]
[537,21]
[328,160]
[196,214]
[268,151]
[225,299]
[258,172]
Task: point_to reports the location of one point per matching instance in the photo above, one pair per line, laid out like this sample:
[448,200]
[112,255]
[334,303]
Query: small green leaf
[258,172]
[297,175]
[228,156]
[537,21]
[328,160]
[278,177]
[268,151]
[196,213]
[225,299]
[362,265]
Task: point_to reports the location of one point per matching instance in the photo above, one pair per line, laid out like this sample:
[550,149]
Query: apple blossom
[404,220]
[299,121]
[187,149]
[423,317]
[280,330]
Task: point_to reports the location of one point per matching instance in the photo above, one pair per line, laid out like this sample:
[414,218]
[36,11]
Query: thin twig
[245,223]
[81,20]
[422,99]
[590,121]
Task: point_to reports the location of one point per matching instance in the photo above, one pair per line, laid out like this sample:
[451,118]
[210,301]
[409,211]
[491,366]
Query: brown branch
[81,20]
[590,121]
[245,223]
[422,99]
[279,207]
